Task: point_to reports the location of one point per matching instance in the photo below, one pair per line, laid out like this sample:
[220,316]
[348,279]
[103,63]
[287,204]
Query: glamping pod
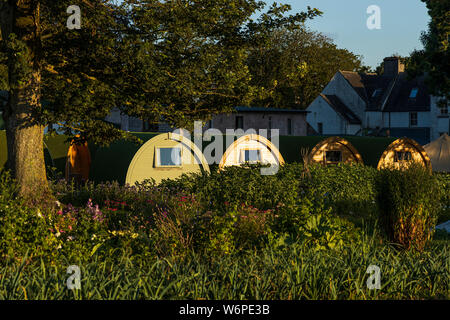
[166,156]
[162,156]
[251,148]
[291,146]
[402,152]
[334,150]
[439,153]
[367,150]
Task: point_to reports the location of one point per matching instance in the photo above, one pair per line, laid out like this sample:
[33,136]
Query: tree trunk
[24,132]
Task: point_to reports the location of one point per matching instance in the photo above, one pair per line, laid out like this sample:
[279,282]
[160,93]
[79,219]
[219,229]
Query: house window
[320,127]
[251,156]
[289,126]
[333,156]
[168,157]
[443,107]
[402,156]
[413,119]
[239,122]
[413,93]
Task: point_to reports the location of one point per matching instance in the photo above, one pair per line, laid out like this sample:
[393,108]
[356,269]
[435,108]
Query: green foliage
[295,65]
[444,187]
[434,59]
[180,60]
[164,242]
[324,232]
[409,203]
[23,230]
[295,272]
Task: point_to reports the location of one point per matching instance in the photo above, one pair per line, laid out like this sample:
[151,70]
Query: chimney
[393,66]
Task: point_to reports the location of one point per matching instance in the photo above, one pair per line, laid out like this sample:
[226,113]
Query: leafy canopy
[177,59]
[295,66]
[434,59]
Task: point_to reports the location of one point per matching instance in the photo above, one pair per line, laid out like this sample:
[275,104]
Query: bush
[22,229]
[444,186]
[324,232]
[409,203]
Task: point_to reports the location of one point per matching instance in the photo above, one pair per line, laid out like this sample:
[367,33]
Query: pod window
[403,156]
[251,155]
[168,157]
[333,156]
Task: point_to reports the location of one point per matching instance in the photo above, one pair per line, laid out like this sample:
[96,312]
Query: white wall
[322,112]
[438,123]
[340,87]
[401,120]
[373,119]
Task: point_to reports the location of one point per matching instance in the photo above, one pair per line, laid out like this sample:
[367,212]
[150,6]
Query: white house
[387,104]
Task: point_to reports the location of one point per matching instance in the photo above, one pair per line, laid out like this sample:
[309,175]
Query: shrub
[22,229]
[409,203]
[324,232]
[444,186]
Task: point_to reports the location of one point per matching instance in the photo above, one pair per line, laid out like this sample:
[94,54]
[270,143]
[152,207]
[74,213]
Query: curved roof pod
[334,150]
[291,146]
[369,148]
[439,152]
[251,148]
[166,156]
[403,151]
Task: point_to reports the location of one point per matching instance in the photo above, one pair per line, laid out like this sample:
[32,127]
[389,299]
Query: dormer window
[413,93]
[376,93]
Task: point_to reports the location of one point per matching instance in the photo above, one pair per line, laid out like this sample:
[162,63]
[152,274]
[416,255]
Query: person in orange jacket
[78,160]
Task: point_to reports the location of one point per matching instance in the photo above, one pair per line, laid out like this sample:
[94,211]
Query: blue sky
[402,22]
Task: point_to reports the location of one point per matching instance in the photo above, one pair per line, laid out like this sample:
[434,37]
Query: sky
[345,21]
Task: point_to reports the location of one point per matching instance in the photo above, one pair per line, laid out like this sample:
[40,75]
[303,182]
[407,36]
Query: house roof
[376,89]
[268,110]
[356,81]
[341,108]
[400,101]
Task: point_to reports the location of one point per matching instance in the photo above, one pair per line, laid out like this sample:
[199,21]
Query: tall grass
[286,272]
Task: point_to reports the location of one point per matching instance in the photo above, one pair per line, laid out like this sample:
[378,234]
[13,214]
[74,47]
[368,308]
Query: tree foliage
[180,60]
[295,66]
[434,59]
